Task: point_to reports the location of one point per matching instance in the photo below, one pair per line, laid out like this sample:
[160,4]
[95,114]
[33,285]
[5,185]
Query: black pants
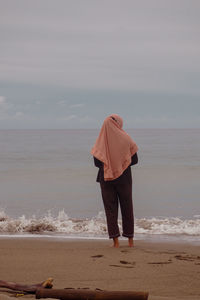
[114,194]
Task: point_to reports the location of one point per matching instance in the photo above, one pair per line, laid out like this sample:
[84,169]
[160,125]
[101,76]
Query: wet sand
[168,271]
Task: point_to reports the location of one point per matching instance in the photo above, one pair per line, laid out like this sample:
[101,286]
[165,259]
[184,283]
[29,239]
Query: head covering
[114,147]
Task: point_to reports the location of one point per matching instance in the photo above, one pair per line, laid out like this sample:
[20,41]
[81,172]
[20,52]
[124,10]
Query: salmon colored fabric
[114,147]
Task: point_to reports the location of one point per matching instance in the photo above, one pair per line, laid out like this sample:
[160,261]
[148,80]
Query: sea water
[48,184]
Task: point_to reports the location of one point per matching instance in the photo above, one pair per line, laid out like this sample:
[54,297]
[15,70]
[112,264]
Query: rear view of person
[114,152]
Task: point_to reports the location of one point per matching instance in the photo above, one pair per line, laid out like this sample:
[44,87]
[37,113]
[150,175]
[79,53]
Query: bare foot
[115,242]
[130,242]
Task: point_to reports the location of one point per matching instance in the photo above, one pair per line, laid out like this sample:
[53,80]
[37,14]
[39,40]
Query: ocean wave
[170,226]
[94,227]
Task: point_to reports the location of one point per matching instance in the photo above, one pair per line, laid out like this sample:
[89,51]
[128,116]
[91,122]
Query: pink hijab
[114,147]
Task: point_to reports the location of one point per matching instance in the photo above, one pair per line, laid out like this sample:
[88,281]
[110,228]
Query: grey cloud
[5,107]
[114,44]
[77,105]
[100,53]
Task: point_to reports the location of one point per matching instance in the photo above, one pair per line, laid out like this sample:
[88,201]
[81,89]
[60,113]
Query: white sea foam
[94,227]
[168,226]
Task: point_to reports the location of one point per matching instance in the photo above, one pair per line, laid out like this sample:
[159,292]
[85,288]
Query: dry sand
[166,271]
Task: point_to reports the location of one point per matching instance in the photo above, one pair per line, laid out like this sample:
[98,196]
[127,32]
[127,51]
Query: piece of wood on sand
[82,294]
[27,288]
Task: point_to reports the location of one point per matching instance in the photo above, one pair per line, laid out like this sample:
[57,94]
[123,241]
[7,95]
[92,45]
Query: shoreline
[168,271]
[148,238]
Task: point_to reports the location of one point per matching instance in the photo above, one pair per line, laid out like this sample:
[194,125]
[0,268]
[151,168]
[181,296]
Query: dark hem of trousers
[128,235]
[114,236]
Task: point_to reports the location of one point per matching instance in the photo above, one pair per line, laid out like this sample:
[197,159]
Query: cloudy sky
[68,64]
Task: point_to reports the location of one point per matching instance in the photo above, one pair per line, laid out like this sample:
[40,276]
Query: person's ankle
[116,242]
[130,242]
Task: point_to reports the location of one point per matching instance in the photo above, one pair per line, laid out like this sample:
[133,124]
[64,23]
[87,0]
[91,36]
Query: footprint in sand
[124,262]
[129,265]
[187,257]
[119,266]
[161,262]
[97,256]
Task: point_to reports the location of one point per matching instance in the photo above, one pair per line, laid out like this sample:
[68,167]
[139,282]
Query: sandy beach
[165,270]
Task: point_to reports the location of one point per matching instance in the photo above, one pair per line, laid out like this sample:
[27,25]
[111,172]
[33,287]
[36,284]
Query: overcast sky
[68,64]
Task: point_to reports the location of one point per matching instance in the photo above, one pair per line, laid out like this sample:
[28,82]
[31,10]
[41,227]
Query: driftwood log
[27,288]
[82,294]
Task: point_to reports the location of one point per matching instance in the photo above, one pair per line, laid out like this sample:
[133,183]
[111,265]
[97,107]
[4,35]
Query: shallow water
[52,170]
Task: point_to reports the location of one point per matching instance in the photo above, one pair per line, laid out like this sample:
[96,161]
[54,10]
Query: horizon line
[140,128]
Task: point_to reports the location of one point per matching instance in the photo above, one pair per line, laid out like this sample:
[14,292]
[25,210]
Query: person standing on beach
[114,152]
